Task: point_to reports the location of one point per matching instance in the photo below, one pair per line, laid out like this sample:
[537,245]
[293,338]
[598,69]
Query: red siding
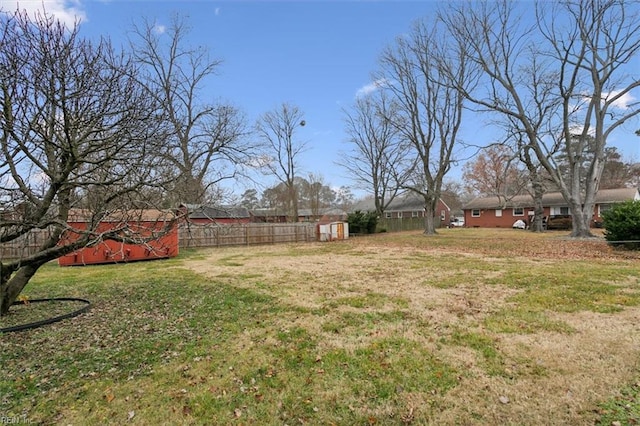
[113,251]
[488,218]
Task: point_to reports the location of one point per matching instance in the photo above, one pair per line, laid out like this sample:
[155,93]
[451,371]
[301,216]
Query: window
[414,213]
[498,212]
[387,215]
[475,213]
[518,211]
[443,215]
[560,211]
[603,208]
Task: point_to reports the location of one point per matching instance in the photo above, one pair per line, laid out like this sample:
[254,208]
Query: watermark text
[14,420]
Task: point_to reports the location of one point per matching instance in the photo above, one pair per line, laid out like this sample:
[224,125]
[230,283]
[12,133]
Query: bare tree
[496,171]
[418,68]
[344,198]
[618,172]
[593,48]
[206,144]
[378,159]
[537,77]
[315,193]
[76,130]
[516,83]
[455,195]
[277,129]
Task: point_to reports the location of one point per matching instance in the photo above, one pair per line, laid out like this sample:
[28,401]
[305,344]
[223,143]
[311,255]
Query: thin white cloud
[577,130]
[623,102]
[260,161]
[159,29]
[367,89]
[217,11]
[66,11]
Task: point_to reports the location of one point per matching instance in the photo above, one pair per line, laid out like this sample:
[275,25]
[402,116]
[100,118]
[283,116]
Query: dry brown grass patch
[438,288]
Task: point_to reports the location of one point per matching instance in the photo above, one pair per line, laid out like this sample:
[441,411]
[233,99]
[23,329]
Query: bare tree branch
[207,142]
[277,129]
[77,133]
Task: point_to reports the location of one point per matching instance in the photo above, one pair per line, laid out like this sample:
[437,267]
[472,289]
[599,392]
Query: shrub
[362,223]
[622,225]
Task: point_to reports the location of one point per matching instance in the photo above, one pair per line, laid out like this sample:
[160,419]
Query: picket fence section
[193,235]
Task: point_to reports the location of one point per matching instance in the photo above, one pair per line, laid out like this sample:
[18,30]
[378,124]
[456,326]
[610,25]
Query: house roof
[334,212]
[268,212]
[219,212]
[301,212]
[551,199]
[403,203]
[321,212]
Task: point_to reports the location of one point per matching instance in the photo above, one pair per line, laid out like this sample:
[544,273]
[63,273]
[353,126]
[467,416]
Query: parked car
[456,222]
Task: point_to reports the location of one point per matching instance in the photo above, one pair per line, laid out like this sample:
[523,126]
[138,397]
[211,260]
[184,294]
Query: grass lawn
[472,326]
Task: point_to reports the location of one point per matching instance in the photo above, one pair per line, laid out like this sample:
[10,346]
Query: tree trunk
[537,225]
[538,214]
[12,286]
[429,220]
[581,223]
[429,225]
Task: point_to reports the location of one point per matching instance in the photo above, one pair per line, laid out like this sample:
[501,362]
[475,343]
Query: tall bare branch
[77,131]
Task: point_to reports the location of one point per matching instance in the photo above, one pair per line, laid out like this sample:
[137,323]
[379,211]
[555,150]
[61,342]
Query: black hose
[47,321]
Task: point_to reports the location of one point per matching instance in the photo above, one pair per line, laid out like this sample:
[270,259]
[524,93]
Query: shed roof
[551,199]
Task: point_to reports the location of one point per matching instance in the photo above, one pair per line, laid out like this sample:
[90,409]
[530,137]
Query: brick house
[407,206]
[493,212]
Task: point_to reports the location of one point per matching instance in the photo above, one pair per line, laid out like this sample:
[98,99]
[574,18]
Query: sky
[318,55]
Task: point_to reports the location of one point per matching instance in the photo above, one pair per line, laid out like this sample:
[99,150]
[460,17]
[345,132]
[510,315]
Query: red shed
[142,223]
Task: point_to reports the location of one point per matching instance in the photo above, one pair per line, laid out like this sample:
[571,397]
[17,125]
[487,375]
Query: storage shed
[143,224]
[333,231]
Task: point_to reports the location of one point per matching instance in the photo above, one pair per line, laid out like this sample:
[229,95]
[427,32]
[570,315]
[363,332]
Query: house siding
[442,214]
[488,218]
[552,207]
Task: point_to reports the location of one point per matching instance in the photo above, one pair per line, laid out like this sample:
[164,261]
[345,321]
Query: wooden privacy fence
[400,224]
[25,245]
[193,235]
